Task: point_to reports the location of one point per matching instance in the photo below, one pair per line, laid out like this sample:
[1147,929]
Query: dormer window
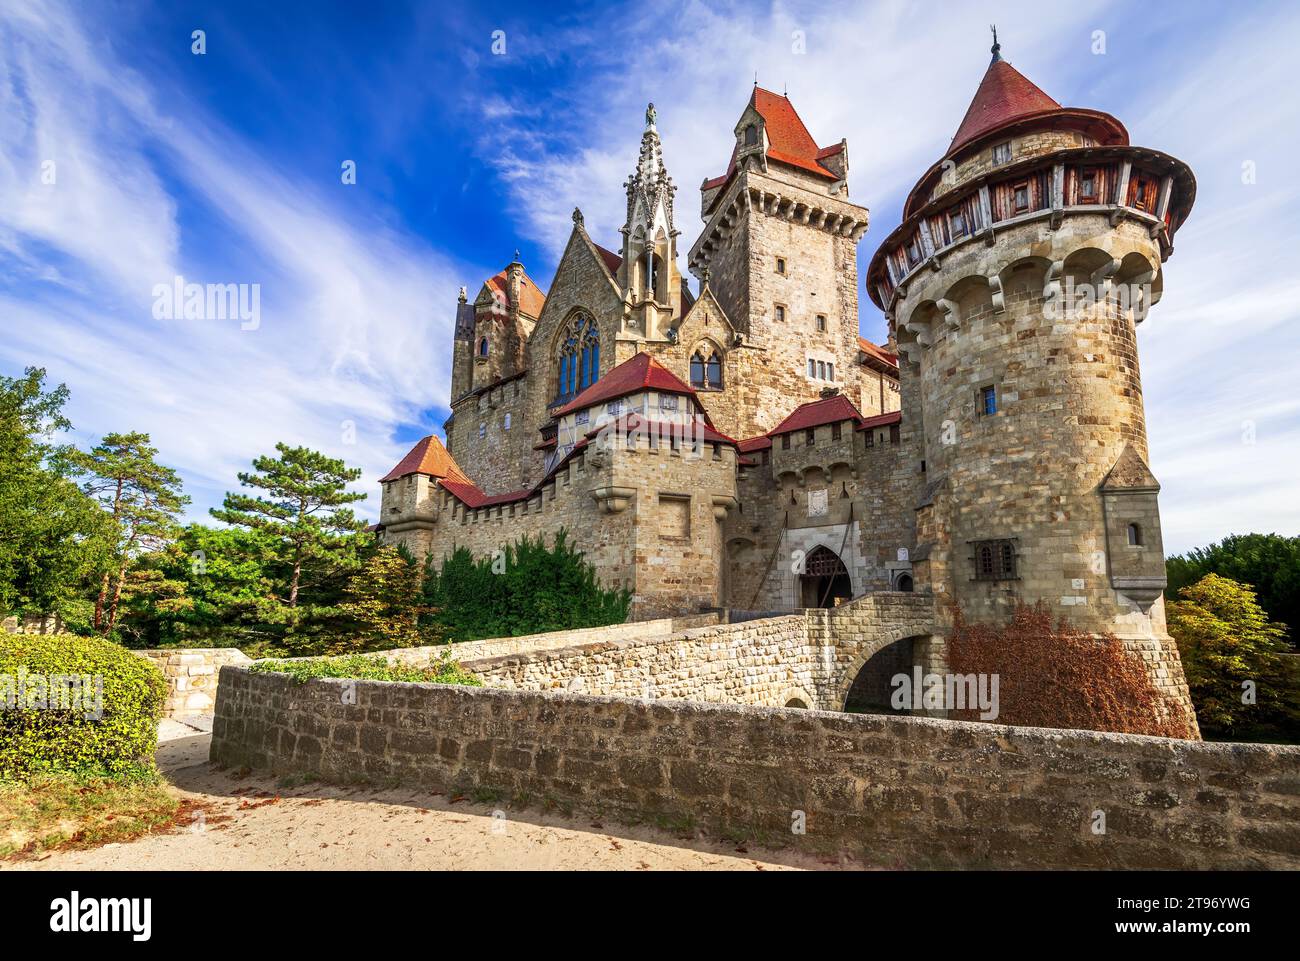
[1002,154]
[751,136]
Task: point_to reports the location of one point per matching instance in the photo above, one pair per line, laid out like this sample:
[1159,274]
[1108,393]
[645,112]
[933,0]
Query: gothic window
[706,372]
[995,560]
[483,347]
[578,356]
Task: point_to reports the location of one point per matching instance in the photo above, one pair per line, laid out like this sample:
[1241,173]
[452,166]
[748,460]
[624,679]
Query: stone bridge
[810,659]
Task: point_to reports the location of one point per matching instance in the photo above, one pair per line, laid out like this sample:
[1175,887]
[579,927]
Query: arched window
[706,369]
[578,356]
[1135,535]
[483,347]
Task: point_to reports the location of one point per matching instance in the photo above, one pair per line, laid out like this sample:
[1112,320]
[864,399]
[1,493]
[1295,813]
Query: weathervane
[997,47]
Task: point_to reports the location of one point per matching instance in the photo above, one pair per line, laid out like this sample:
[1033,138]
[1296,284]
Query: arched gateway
[825,580]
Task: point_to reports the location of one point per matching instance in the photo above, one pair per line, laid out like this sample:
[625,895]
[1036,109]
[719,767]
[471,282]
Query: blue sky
[225,168]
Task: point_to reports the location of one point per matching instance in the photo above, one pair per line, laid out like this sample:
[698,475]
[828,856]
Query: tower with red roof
[779,252]
[1028,255]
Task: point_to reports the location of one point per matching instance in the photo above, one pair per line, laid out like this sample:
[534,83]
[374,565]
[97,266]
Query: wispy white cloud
[355,321]
[895,78]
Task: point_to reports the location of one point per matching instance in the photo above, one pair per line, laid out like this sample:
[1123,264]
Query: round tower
[1027,256]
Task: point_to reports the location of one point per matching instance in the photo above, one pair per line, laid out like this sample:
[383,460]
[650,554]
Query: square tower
[779,251]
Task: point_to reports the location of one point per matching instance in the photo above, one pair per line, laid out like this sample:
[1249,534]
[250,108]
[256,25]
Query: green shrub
[106,727]
[529,588]
[445,670]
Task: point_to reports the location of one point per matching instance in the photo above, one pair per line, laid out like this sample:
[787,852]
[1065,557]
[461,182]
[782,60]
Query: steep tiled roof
[873,350]
[762,442]
[818,412]
[426,457]
[612,260]
[788,140]
[1004,95]
[638,422]
[637,373]
[531,297]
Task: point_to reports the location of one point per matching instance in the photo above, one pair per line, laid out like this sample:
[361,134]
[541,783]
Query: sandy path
[252,824]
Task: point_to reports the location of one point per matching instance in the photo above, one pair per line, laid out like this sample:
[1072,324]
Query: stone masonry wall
[191,675]
[911,792]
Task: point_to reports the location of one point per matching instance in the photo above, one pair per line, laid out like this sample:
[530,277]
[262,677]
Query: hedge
[108,726]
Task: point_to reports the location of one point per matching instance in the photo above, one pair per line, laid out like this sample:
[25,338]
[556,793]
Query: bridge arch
[866,678]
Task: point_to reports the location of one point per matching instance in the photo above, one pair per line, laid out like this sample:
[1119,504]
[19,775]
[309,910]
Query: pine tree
[144,500]
[305,511]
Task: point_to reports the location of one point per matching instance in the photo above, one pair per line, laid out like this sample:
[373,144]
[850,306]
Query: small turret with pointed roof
[649,275]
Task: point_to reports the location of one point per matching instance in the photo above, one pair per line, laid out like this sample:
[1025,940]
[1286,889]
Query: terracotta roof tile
[788,140]
[1004,95]
[637,373]
[612,260]
[426,457]
[762,442]
[818,412]
[874,350]
[531,297]
[881,420]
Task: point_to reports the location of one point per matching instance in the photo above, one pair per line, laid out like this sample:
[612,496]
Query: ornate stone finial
[997,47]
[651,115]
[464,295]
[577,217]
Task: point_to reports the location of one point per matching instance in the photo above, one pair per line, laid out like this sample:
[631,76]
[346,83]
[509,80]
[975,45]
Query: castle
[743,447]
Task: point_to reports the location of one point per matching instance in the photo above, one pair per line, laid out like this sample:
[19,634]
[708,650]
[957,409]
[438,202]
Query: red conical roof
[1004,95]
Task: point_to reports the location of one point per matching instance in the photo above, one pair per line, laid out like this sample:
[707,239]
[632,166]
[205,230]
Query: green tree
[385,606]
[305,512]
[1228,646]
[1269,563]
[53,538]
[144,500]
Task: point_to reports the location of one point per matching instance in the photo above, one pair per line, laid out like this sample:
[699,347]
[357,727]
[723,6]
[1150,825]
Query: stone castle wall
[191,674]
[646,518]
[896,791]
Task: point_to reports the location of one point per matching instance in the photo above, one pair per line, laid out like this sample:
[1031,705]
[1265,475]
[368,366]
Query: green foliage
[53,538]
[305,515]
[1268,563]
[527,589]
[384,607]
[36,739]
[144,500]
[443,670]
[1226,641]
